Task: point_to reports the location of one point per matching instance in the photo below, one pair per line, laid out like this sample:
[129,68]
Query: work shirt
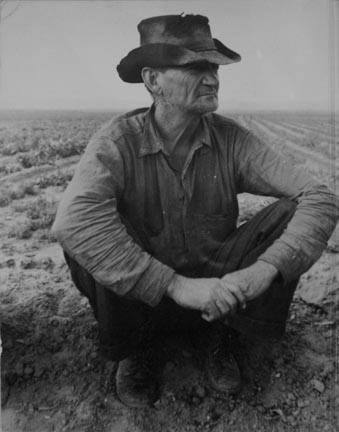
[132,221]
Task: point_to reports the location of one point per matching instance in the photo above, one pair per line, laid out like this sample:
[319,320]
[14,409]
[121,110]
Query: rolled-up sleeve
[89,228]
[263,171]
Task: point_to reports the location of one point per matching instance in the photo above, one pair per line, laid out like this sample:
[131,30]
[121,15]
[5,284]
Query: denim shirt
[132,221]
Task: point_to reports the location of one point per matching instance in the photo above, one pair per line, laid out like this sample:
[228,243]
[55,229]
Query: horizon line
[320,110]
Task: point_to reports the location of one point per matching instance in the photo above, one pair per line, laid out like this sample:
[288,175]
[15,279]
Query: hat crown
[174,40]
[190,31]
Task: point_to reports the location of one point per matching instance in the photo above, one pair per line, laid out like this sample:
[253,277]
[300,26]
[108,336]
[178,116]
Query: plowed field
[53,378]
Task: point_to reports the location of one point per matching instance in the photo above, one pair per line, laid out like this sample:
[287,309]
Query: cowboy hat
[174,40]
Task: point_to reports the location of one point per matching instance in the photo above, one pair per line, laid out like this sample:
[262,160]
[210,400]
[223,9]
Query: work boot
[138,378]
[221,367]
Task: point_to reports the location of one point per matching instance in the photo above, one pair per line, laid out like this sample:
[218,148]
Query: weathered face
[192,88]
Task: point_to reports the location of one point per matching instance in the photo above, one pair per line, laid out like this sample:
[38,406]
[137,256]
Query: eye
[191,67]
[211,67]
[203,67]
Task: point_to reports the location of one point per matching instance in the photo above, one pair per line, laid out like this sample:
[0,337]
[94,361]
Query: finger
[236,291]
[210,315]
[213,311]
[207,317]
[219,309]
[223,307]
[227,301]
[238,294]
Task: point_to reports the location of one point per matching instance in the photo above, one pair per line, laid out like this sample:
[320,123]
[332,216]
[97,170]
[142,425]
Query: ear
[150,77]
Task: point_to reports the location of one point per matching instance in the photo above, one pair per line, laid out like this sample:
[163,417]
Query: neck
[172,124]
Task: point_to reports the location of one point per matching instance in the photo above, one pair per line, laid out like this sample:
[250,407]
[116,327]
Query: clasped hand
[217,298]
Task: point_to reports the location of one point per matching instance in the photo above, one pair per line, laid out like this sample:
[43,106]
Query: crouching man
[148,223]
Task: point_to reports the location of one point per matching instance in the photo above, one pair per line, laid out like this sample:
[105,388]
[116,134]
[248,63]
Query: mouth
[207,90]
[210,93]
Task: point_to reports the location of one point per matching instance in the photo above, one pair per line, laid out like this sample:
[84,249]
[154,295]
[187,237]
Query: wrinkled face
[192,88]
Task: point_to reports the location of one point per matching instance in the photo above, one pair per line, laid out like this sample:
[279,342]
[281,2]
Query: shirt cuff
[153,283]
[290,263]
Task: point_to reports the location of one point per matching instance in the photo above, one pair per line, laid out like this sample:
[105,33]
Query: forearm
[306,235]
[262,171]
[90,229]
[113,258]
[251,281]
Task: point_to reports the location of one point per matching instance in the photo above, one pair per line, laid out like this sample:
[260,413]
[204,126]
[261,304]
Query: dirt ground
[53,378]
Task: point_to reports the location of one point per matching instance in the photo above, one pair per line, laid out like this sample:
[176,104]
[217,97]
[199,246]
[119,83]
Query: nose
[211,77]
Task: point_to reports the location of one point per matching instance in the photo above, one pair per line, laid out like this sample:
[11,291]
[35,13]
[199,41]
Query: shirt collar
[151,142]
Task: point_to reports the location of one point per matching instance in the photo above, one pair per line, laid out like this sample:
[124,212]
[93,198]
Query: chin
[207,108]
[208,104]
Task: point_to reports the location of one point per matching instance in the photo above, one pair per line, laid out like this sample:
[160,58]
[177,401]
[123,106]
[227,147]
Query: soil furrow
[293,147]
[29,173]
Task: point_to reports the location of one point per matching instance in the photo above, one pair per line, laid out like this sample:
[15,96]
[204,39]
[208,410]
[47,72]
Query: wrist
[173,286]
[267,270]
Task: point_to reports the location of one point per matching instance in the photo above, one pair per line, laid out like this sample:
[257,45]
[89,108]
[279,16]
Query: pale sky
[62,54]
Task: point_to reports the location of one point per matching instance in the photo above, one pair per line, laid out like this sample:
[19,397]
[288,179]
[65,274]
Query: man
[148,223]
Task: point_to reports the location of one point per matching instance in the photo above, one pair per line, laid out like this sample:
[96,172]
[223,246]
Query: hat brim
[162,55]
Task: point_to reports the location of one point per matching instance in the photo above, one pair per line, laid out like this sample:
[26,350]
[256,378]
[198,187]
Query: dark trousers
[125,324]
